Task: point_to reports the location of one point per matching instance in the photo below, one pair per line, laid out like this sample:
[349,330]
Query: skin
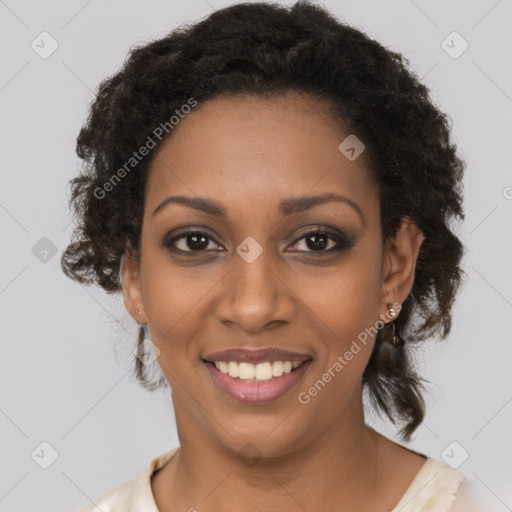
[249,153]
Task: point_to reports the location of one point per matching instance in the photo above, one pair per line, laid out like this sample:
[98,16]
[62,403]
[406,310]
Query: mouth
[261,372]
[254,377]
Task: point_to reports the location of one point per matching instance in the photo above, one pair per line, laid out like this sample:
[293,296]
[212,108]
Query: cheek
[345,298]
[345,303]
[346,307]
[173,301]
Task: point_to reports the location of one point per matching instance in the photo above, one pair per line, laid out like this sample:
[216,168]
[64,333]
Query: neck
[341,465]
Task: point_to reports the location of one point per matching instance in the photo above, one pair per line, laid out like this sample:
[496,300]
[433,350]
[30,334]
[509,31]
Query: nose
[255,296]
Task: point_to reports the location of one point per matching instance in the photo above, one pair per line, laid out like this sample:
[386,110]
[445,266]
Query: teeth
[233,369]
[277,369]
[261,371]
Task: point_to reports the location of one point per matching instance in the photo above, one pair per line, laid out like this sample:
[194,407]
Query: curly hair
[268,49]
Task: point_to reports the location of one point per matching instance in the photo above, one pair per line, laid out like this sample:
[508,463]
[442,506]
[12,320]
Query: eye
[318,241]
[315,241]
[190,241]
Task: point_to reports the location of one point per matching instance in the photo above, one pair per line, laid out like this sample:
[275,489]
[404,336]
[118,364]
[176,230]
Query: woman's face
[254,279]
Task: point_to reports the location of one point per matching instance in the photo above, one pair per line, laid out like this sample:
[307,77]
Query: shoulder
[434,489]
[114,501]
[135,494]
[472,497]
[439,488]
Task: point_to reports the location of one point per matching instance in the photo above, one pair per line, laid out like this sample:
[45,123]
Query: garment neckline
[142,493]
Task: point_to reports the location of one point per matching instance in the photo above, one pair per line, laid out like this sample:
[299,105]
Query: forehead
[257,150]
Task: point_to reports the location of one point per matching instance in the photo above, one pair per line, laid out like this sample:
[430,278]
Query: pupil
[316,244]
[195,245]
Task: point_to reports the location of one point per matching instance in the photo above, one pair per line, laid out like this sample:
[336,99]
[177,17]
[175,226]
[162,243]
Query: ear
[132,290]
[399,263]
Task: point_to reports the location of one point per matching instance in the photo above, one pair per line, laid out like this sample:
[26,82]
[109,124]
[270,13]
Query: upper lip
[256,356]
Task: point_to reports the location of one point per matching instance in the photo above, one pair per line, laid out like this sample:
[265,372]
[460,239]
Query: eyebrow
[286,206]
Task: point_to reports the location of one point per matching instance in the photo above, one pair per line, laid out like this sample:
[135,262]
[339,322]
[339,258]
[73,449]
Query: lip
[255,356]
[250,392]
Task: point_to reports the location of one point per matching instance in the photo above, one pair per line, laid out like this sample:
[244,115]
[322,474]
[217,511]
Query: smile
[256,372]
[256,383]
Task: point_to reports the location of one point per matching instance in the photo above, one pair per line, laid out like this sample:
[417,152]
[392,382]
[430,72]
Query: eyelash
[342,243]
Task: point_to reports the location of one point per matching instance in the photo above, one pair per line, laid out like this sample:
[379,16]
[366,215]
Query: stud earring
[137,312]
[391,310]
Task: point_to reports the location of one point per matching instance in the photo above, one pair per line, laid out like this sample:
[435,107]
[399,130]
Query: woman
[272,191]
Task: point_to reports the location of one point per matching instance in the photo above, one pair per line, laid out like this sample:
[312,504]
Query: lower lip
[257,392]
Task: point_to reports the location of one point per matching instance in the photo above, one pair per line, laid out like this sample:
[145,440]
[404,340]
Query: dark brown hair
[269,49]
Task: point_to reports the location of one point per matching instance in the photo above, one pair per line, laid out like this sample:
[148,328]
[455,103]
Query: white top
[435,488]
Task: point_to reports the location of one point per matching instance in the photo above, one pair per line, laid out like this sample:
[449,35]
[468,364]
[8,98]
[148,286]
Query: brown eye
[318,241]
[190,241]
[315,241]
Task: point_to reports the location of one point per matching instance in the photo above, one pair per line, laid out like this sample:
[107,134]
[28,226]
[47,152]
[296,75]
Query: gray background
[66,350]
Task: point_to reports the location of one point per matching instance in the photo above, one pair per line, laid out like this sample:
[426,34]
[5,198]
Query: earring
[138,313]
[395,340]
